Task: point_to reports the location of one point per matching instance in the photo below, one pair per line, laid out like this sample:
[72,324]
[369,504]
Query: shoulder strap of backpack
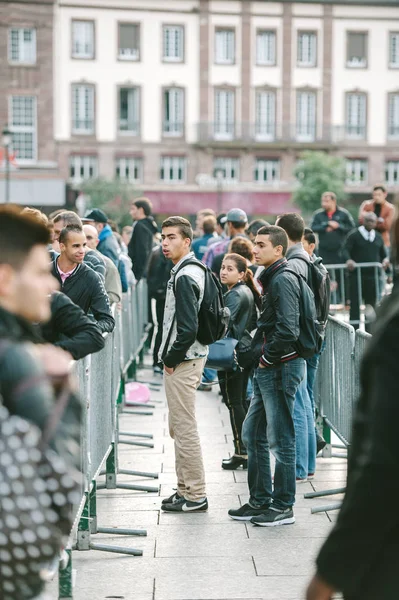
[192,261]
[299,276]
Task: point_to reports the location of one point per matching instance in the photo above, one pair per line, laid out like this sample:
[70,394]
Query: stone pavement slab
[204,556]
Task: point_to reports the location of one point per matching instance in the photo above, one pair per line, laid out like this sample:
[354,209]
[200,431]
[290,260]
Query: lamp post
[219,182]
[6,141]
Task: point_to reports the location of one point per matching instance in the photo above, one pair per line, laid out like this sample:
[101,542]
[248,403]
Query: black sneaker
[274,517]
[246,512]
[183,505]
[173,498]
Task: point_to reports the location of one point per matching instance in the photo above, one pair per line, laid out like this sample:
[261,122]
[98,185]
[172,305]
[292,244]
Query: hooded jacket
[85,288]
[140,245]
[278,325]
[108,245]
[70,329]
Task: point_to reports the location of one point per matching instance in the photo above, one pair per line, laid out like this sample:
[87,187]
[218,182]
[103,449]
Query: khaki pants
[180,388]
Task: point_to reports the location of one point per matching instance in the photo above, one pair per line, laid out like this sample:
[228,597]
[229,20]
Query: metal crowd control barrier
[101,378]
[337,389]
[365,285]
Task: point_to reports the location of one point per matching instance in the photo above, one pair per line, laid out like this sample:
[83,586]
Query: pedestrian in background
[200,245]
[112,280]
[142,239]
[332,224]
[384,211]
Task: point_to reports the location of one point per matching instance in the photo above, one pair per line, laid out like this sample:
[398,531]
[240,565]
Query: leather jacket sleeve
[238,303]
[187,295]
[100,306]
[319,222]
[285,298]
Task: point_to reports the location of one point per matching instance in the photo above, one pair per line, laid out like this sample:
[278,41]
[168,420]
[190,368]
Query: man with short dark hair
[78,281]
[269,424]
[200,245]
[384,211]
[142,240]
[254,227]
[332,223]
[183,357]
[62,219]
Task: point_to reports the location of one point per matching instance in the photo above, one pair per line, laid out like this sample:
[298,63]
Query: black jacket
[85,288]
[158,274]
[361,555]
[71,329]
[278,324]
[140,245]
[331,242]
[240,301]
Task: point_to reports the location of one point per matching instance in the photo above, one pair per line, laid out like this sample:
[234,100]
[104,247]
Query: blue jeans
[312,364]
[209,375]
[305,433]
[269,427]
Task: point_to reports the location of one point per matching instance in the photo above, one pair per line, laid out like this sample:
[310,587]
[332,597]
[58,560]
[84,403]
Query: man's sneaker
[186,506]
[274,517]
[173,498]
[246,512]
[301,480]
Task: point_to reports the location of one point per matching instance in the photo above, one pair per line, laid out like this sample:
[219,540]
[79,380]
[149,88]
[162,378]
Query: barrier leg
[111,477]
[65,578]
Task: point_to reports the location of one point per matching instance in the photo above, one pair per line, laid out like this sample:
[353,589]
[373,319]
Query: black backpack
[309,339]
[320,284]
[213,316]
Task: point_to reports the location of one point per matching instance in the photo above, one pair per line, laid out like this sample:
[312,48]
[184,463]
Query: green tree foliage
[318,172]
[112,196]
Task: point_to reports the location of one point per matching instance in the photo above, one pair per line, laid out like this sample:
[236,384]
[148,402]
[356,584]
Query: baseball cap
[237,215]
[96,215]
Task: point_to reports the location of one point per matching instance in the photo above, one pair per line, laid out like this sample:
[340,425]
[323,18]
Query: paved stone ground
[200,556]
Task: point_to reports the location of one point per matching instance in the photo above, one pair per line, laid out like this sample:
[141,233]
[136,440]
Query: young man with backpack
[278,347]
[192,320]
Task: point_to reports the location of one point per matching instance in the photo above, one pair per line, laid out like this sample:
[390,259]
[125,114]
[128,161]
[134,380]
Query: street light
[219,174]
[6,138]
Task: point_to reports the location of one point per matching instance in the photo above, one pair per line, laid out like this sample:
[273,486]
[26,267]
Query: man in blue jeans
[269,425]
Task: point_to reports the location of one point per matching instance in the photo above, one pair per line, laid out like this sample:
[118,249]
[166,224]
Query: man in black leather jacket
[269,423]
[332,223]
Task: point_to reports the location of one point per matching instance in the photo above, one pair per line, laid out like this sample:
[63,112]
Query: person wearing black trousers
[241,298]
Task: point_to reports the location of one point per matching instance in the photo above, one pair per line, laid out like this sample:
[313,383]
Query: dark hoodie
[140,245]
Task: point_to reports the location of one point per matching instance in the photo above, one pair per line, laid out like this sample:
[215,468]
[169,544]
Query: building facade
[26,103]
[211,102]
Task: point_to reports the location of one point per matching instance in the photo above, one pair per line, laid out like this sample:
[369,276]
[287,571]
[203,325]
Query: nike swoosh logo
[186,508]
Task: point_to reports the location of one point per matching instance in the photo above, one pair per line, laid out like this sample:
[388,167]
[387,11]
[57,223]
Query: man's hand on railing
[350,265]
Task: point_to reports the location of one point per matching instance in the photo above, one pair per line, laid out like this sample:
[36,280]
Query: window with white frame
[129,41]
[393,116]
[392,172]
[356,50]
[224,46]
[306,116]
[82,167]
[266,48]
[228,167]
[83,109]
[173,115]
[267,170]
[394,49]
[173,169]
[356,171]
[307,49]
[23,125]
[355,124]
[173,43]
[129,168]
[265,115]
[129,111]
[83,39]
[22,45]
[224,114]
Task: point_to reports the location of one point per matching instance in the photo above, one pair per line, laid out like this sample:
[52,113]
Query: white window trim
[312,63]
[21,45]
[83,55]
[227,165]
[82,131]
[172,162]
[25,129]
[172,127]
[390,167]
[133,163]
[271,61]
[267,165]
[173,59]
[229,43]
[354,167]
[360,125]
[393,65]
[81,159]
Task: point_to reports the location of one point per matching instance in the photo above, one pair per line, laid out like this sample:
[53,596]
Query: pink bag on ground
[136,392]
